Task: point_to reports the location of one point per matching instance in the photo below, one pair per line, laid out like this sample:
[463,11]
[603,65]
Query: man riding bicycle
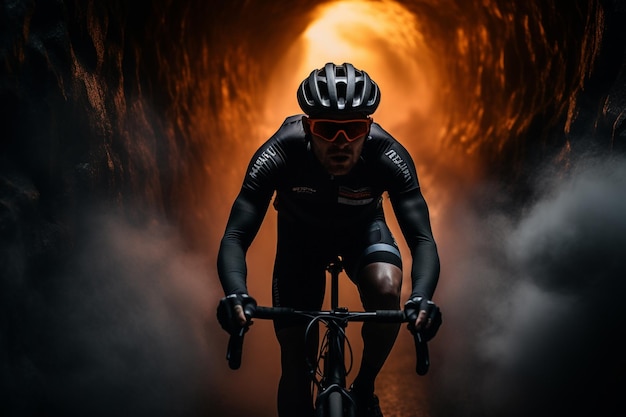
[329,169]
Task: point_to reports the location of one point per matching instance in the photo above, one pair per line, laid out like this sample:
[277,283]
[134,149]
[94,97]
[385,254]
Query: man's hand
[234,312]
[424,316]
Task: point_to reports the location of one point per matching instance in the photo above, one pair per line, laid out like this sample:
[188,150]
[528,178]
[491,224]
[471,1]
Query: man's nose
[342,139]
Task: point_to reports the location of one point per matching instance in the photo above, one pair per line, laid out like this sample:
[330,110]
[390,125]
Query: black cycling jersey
[317,203]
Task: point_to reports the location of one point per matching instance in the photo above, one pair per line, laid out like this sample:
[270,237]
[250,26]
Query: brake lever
[235,348]
[422,355]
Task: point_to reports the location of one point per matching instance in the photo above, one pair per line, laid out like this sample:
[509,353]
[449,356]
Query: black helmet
[338,90]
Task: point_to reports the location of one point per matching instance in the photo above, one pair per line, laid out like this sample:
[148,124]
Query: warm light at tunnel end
[382,38]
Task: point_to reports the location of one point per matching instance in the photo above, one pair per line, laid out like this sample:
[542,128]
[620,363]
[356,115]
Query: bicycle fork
[334,399]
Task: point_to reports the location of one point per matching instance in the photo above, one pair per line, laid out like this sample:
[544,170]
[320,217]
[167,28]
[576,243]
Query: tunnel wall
[127,102]
[131,108]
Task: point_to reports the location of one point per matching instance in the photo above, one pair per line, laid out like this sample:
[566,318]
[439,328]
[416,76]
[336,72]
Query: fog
[126,133]
[533,325]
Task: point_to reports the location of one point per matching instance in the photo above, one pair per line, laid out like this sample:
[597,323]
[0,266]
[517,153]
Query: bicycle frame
[332,397]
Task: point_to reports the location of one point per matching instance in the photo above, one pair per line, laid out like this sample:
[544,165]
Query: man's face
[337,144]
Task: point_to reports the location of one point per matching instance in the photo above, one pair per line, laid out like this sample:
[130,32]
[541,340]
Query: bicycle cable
[315,369]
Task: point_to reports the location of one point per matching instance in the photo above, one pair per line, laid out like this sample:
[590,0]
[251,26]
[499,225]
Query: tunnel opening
[154,108]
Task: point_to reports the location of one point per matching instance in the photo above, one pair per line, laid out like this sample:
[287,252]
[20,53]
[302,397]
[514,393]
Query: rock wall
[131,110]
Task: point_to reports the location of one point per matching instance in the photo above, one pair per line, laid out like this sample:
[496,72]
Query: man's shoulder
[378,142]
[392,160]
[378,132]
[290,134]
[291,127]
[293,120]
[286,144]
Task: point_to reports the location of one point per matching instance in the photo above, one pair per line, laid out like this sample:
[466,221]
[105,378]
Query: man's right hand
[235,311]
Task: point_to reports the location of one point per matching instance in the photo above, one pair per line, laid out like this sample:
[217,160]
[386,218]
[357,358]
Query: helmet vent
[338,90]
[341,95]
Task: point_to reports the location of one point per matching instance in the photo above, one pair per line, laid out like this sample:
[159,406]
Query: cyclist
[329,169]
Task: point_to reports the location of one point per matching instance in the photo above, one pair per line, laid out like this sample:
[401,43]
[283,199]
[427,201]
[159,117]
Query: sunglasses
[329,129]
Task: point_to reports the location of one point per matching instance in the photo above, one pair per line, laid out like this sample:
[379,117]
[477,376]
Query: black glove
[227,316]
[412,309]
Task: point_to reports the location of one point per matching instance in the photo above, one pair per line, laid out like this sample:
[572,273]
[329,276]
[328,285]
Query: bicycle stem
[335,268]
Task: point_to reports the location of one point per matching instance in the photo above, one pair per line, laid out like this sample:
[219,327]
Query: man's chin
[338,168]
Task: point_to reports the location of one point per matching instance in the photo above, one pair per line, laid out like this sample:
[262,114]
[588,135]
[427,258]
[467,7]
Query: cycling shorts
[299,278]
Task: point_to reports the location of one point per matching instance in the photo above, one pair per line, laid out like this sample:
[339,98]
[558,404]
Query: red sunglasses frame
[313,122]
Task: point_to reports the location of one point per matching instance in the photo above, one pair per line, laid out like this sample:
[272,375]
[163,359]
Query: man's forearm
[425,270]
[231,267]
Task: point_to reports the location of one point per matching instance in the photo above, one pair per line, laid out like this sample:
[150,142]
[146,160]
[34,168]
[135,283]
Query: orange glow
[438,121]
[454,93]
[150,113]
[385,39]
[382,38]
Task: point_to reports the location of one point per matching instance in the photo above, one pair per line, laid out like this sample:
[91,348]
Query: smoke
[124,325]
[532,305]
[127,329]
[535,317]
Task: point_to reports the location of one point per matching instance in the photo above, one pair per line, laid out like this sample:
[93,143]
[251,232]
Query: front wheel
[335,405]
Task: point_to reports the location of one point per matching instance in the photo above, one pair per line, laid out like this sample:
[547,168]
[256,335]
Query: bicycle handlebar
[235,343]
[379,316]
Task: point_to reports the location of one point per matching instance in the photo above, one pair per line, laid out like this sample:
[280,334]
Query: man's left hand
[424,316]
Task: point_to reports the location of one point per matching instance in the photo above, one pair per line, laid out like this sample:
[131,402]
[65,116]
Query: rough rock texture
[126,109]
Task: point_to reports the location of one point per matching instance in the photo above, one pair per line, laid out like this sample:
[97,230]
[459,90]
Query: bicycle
[333,398]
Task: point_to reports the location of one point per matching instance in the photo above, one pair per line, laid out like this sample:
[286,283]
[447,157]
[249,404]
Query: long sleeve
[244,222]
[263,176]
[412,213]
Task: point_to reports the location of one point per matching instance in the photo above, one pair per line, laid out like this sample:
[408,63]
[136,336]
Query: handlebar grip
[422,355]
[271,312]
[391,316]
[235,347]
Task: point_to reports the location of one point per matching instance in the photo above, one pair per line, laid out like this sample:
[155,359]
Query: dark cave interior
[138,118]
